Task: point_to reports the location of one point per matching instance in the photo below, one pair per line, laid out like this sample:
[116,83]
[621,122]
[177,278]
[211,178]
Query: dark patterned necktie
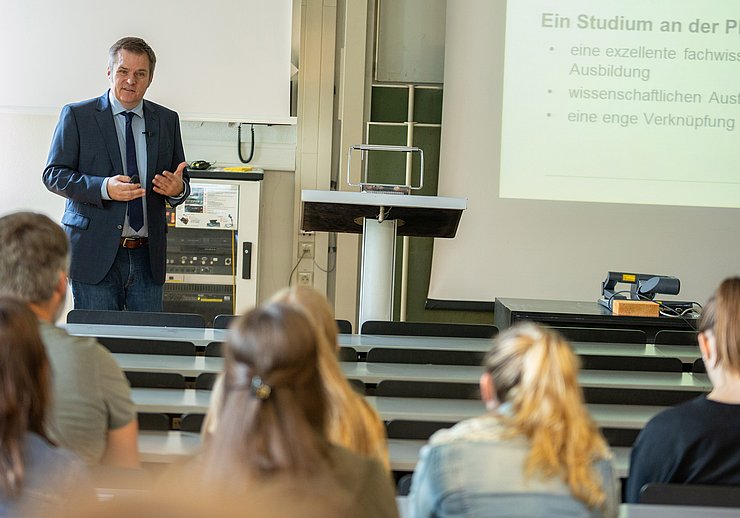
[135,207]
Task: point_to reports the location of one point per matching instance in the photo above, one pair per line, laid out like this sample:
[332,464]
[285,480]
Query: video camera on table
[642,286]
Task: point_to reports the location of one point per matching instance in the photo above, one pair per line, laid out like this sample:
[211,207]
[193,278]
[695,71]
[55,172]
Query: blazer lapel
[104,117]
[151,120]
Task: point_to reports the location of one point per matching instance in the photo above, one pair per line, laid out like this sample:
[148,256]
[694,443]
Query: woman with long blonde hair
[696,442]
[537,452]
[351,421]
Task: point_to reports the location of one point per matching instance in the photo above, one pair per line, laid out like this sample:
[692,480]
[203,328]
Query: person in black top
[697,442]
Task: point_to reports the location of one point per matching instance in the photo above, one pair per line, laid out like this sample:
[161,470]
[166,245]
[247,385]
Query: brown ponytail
[25,390]
[273,412]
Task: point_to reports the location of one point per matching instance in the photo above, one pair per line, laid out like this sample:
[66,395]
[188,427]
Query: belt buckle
[127,240]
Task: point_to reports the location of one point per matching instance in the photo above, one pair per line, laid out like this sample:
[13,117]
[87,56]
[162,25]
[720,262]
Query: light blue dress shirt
[139,129]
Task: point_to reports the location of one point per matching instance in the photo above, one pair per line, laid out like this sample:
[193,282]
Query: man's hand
[120,188]
[170,184]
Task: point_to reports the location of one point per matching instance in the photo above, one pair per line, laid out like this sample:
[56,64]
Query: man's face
[130,77]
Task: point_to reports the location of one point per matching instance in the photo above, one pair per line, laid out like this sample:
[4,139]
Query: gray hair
[35,250]
[135,45]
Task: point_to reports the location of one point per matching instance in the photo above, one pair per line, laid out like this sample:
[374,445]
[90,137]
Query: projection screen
[589,136]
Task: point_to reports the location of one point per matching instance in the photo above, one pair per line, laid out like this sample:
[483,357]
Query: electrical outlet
[305,278]
[305,250]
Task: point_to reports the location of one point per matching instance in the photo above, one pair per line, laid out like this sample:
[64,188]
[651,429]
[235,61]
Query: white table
[172,401]
[675,511]
[371,372]
[685,353]
[454,410]
[189,366]
[177,401]
[166,447]
[363,343]
[198,336]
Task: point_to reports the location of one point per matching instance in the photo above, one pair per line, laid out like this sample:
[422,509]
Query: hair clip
[259,388]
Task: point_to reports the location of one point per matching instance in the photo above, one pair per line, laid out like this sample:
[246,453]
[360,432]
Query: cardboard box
[635,308]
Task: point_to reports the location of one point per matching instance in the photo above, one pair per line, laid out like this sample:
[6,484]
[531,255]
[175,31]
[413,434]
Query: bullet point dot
[552,48]
[549,91]
[549,114]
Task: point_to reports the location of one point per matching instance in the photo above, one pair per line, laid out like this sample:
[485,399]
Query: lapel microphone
[148,133]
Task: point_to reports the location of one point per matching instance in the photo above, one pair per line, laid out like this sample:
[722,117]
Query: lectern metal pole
[378,269]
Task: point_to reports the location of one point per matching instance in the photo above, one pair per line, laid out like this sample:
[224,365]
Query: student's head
[134,45]
[34,259]
[316,306]
[131,65]
[273,410]
[531,378]
[719,328]
[25,389]
[529,363]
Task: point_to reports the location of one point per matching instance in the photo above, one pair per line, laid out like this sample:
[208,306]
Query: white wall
[217,60]
[411,41]
[24,144]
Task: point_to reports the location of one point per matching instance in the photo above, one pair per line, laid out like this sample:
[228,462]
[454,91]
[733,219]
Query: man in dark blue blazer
[118,159]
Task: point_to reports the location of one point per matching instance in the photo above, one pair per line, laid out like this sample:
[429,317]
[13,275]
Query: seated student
[353,423]
[697,442]
[536,453]
[92,413]
[35,476]
[271,436]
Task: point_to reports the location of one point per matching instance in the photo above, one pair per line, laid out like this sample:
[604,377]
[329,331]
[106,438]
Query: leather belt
[134,242]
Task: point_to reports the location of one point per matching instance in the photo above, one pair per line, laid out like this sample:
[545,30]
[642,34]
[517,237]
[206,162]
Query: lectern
[380,213]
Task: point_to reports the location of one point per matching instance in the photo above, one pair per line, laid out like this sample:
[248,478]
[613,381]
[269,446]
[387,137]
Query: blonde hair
[721,316]
[535,371]
[351,421]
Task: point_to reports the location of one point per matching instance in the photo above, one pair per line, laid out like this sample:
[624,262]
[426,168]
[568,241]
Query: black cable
[239,144]
[325,271]
[610,299]
[290,279]
[693,303]
[668,311]
[332,250]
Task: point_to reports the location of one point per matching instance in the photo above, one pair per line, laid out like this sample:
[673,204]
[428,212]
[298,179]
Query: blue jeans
[128,285]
